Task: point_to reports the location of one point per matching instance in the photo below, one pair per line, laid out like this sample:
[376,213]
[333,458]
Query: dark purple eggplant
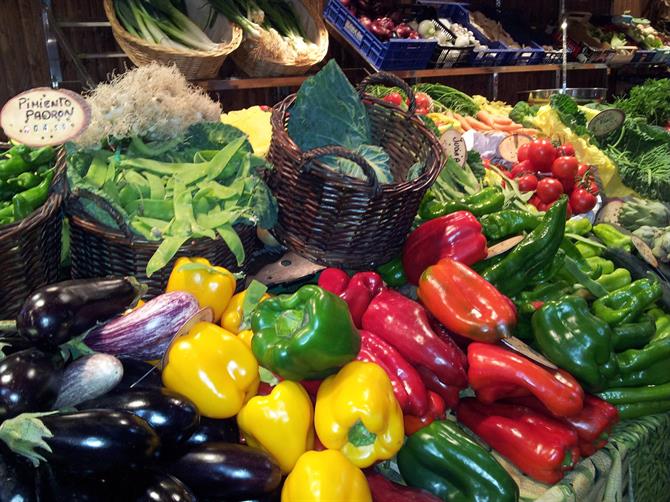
[17,481]
[58,486]
[146,332]
[137,374]
[54,314]
[29,381]
[172,416]
[210,430]
[148,486]
[98,441]
[226,471]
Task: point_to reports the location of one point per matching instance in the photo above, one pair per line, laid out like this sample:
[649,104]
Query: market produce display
[515,329]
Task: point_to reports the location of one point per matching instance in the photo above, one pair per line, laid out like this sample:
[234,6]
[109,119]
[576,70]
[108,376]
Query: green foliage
[570,114]
[448,98]
[522,113]
[650,101]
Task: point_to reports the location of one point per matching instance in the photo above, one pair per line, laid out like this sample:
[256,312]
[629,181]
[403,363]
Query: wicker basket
[193,64]
[30,249]
[254,60]
[97,250]
[341,221]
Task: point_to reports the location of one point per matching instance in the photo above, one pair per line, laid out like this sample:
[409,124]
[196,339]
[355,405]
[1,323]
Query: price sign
[44,116]
[606,122]
[508,147]
[454,146]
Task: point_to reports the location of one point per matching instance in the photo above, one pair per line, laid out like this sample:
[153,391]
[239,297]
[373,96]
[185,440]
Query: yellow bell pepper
[212,286]
[246,336]
[213,368]
[358,414]
[325,476]
[280,423]
[232,315]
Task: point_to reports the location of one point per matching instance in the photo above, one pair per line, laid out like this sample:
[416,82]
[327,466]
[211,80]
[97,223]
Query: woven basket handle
[388,79]
[339,151]
[82,193]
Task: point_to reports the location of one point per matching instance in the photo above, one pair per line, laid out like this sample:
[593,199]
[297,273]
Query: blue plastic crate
[497,54]
[396,54]
[643,56]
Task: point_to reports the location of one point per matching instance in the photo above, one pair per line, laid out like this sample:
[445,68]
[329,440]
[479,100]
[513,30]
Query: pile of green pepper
[25,177]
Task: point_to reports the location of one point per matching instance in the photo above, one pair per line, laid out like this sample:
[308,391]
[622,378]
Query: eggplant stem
[7,325]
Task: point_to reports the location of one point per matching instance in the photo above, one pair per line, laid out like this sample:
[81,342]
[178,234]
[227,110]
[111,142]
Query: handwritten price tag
[44,116]
[508,147]
[454,146]
[606,122]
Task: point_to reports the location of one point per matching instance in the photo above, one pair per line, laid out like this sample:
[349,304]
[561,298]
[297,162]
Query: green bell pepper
[304,336]
[527,301]
[443,460]
[612,238]
[575,340]
[532,255]
[662,324]
[634,335]
[633,360]
[615,280]
[393,273]
[488,200]
[625,304]
[502,224]
[600,263]
[634,402]
[579,226]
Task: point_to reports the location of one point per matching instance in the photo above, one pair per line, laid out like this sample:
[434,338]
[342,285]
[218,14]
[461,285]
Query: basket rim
[280,110]
[46,210]
[121,32]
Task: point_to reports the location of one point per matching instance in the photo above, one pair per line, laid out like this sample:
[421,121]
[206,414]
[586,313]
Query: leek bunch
[274,16]
[162,22]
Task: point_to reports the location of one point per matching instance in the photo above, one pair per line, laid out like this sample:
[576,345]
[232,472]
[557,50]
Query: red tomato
[565,168]
[582,201]
[549,189]
[593,188]
[394,98]
[423,101]
[422,111]
[523,167]
[527,183]
[535,201]
[265,108]
[582,170]
[566,150]
[568,185]
[541,154]
[522,152]
[568,211]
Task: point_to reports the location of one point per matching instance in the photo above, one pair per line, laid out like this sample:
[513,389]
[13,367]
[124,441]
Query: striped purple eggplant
[146,332]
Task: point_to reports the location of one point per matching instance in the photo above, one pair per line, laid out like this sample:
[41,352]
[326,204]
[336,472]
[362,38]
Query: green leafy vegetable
[378,159]
[522,113]
[448,98]
[569,113]
[650,101]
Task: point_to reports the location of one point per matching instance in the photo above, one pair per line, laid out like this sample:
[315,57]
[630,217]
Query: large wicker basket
[192,63]
[341,221]
[254,60]
[30,249]
[97,250]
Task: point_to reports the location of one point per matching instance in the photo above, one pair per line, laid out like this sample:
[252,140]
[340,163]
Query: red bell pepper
[403,323]
[593,424]
[450,337]
[448,393]
[465,303]
[385,490]
[358,291]
[408,388]
[457,235]
[436,410]
[490,366]
[540,446]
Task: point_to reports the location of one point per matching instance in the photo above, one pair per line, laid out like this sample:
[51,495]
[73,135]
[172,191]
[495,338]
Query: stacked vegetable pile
[25,178]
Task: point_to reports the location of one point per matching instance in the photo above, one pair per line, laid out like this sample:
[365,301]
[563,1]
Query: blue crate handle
[388,79]
[339,151]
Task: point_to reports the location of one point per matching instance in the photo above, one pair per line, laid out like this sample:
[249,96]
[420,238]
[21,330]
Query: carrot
[509,128]
[464,124]
[527,131]
[485,117]
[477,125]
[501,120]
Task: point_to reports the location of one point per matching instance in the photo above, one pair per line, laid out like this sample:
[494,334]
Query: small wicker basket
[97,250]
[30,249]
[193,64]
[346,222]
[256,61]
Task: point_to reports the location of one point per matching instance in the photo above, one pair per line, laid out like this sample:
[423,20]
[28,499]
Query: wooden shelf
[216,85]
